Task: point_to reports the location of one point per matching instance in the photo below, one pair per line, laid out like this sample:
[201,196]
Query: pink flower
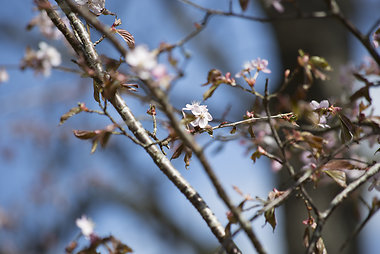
[202,116]
[142,61]
[261,65]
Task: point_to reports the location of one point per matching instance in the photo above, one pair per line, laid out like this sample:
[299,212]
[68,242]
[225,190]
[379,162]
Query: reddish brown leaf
[177,152]
[127,37]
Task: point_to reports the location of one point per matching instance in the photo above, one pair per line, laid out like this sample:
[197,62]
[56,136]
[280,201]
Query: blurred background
[48,178]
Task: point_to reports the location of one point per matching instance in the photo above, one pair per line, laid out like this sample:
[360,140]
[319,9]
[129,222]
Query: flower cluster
[47,28]
[144,64]
[86,226]
[202,116]
[42,60]
[258,65]
[320,113]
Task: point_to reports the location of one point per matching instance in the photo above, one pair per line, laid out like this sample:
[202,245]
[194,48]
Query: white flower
[321,113]
[4,77]
[47,28]
[49,57]
[322,105]
[142,61]
[202,116]
[86,226]
[261,65]
[257,64]
[96,6]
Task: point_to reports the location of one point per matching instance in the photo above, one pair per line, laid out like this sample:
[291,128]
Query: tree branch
[142,136]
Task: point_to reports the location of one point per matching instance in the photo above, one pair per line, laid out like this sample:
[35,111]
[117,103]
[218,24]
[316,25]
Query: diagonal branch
[140,133]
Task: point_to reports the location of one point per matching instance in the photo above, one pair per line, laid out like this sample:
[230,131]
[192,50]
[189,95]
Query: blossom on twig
[202,116]
[142,61]
[86,226]
[320,112]
[4,77]
[42,60]
[258,65]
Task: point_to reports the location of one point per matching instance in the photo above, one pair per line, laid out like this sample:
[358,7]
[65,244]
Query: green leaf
[338,176]
[320,62]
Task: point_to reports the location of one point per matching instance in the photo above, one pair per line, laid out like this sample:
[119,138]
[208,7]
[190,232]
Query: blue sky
[34,103]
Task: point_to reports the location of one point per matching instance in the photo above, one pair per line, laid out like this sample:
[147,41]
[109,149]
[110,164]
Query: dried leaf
[127,37]
[243,4]
[338,176]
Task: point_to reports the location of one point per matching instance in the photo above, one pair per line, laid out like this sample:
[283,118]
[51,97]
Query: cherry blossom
[86,226]
[42,60]
[47,28]
[4,77]
[200,112]
[142,61]
[320,113]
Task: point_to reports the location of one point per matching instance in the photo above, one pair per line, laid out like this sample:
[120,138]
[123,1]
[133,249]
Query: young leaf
[187,158]
[270,217]
[85,134]
[177,152]
[347,129]
[338,176]
[127,37]
[210,91]
[72,111]
[94,145]
[96,91]
[233,130]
